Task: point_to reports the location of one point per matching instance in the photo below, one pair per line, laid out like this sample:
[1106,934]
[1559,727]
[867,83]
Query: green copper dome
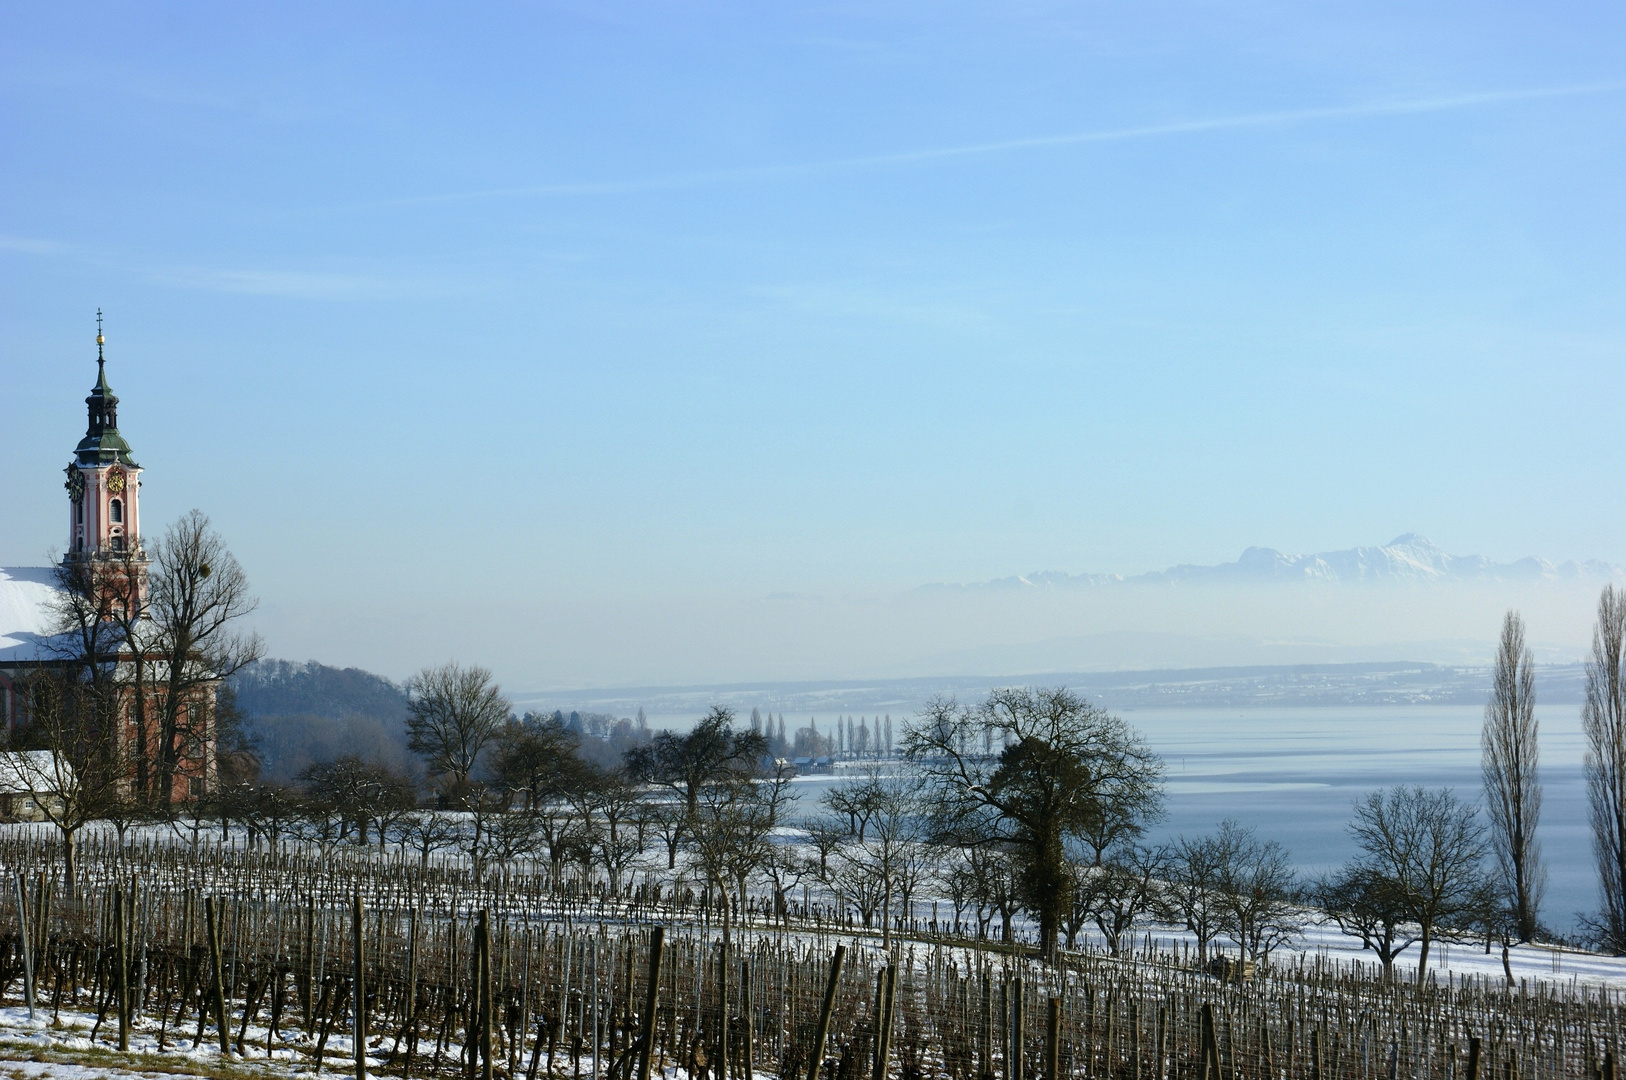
[102,444]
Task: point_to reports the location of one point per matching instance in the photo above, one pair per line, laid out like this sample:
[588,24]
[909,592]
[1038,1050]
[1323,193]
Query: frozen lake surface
[1294,772]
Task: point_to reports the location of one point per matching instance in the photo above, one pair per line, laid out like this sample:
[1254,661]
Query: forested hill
[297,714]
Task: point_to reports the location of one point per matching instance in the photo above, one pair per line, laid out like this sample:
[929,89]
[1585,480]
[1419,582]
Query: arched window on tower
[115,510]
[118,541]
[79,512]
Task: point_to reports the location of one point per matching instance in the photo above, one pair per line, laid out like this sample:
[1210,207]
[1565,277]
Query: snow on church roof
[25,612]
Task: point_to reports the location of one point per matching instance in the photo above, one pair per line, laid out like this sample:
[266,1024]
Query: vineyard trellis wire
[443,974]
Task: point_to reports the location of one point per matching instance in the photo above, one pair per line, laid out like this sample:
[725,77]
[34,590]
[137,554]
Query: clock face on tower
[75,484]
[115,481]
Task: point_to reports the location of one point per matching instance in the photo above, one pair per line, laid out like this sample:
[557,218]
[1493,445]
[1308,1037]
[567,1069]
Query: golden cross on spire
[99,338]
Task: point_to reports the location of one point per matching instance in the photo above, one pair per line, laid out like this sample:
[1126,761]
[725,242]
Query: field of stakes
[217,960]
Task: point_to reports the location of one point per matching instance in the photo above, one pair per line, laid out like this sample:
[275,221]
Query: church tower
[104,487]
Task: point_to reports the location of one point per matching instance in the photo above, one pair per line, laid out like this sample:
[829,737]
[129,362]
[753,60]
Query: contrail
[1005,146]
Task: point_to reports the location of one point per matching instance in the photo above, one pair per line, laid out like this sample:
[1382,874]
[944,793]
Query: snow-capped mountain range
[1405,559]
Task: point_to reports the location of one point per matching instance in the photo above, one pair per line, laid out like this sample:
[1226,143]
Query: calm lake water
[1293,773]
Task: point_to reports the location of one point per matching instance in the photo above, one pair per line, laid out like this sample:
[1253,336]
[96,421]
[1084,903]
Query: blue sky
[566,336]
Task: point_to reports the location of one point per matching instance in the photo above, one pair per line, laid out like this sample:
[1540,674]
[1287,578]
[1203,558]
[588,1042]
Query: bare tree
[1115,893]
[729,834]
[1509,757]
[197,593]
[269,811]
[361,794]
[453,713]
[606,807]
[993,888]
[1429,846]
[69,764]
[1371,906]
[857,801]
[426,832]
[886,861]
[1065,770]
[1191,891]
[1603,720]
[1258,891]
[711,753]
[537,757]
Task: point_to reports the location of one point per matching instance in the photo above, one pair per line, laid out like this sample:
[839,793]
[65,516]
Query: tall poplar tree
[1512,787]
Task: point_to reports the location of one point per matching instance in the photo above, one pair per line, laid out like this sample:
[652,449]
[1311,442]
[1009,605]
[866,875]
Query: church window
[79,513]
[118,541]
[115,510]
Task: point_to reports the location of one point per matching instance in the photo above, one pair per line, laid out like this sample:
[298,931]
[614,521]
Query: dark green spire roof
[102,444]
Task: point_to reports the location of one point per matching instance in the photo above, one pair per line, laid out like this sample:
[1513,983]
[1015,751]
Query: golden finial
[99,338]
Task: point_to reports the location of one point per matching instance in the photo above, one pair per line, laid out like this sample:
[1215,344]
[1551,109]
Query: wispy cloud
[301,284]
[1239,121]
[298,284]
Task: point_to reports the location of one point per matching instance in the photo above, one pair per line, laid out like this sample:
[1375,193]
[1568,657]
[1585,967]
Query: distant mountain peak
[1408,558]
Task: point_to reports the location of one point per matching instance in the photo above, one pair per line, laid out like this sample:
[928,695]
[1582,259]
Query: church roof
[26,594]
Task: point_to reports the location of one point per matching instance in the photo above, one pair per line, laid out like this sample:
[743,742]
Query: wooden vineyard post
[1052,1041]
[880,1021]
[482,994]
[883,1038]
[1473,1058]
[823,1030]
[121,968]
[358,982]
[1013,1066]
[646,1039]
[25,944]
[307,995]
[410,1024]
[1210,1046]
[722,1012]
[748,1018]
[985,1044]
[214,916]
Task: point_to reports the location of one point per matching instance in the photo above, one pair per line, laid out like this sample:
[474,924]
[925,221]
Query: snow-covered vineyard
[225,961]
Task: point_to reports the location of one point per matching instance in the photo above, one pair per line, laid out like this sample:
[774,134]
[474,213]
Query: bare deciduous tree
[1191,890]
[1509,757]
[197,592]
[711,753]
[1258,891]
[1370,906]
[537,758]
[71,766]
[1066,770]
[885,856]
[454,712]
[426,832]
[1603,720]
[1429,846]
[1115,893]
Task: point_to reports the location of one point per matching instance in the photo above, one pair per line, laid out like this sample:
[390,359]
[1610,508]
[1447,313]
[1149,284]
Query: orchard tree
[1429,847]
[1372,907]
[711,753]
[453,713]
[1064,770]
